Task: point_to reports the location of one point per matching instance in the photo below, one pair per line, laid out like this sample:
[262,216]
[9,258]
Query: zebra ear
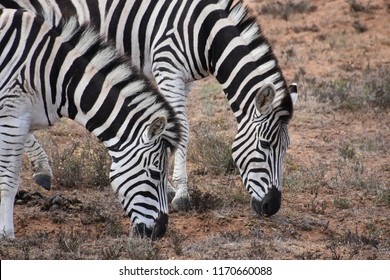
[264,97]
[156,127]
[293,92]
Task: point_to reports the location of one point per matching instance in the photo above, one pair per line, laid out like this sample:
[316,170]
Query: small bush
[69,244]
[212,151]
[67,166]
[359,27]
[358,239]
[142,249]
[355,6]
[206,92]
[384,197]
[341,203]
[112,251]
[81,163]
[347,151]
[370,90]
[376,86]
[337,92]
[306,179]
[284,9]
[176,241]
[202,201]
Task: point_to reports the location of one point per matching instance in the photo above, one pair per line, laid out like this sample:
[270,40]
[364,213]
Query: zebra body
[48,72]
[189,41]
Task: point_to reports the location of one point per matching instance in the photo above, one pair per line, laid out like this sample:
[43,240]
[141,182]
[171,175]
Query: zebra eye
[155,174]
[155,167]
[265,144]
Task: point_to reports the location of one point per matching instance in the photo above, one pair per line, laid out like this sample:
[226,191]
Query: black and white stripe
[48,72]
[179,41]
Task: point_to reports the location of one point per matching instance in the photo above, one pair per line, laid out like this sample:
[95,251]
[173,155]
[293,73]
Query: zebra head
[143,193]
[260,146]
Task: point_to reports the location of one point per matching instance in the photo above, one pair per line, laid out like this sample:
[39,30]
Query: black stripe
[93,7]
[114,21]
[143,27]
[92,92]
[67,8]
[16,24]
[43,66]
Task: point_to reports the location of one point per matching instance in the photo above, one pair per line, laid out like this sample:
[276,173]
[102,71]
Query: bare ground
[337,171]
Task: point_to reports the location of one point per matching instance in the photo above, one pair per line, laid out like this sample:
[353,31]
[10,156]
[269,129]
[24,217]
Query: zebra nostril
[266,208]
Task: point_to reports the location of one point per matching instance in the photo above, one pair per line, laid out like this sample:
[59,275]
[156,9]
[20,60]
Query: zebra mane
[252,35]
[117,68]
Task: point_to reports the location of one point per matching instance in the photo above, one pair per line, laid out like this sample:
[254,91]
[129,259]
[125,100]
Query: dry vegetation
[336,199]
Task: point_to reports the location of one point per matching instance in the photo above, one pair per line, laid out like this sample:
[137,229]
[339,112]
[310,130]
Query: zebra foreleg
[40,162]
[11,151]
[171,192]
[181,201]
[177,99]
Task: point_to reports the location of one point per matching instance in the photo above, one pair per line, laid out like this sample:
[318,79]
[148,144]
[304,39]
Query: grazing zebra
[48,72]
[190,40]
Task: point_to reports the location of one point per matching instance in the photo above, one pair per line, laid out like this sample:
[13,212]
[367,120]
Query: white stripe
[82,11]
[120,30]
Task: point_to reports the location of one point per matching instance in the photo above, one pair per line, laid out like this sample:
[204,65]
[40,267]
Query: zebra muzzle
[157,232]
[270,204]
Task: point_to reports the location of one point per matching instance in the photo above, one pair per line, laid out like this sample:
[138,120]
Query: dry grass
[83,162]
[364,92]
[212,150]
[284,9]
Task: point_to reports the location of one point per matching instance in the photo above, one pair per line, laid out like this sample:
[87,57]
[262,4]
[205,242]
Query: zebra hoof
[170,196]
[43,180]
[181,204]
[171,192]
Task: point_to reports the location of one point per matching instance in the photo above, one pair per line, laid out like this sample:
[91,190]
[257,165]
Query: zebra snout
[154,233]
[269,205]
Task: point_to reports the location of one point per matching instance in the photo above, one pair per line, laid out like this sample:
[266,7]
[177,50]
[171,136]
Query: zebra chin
[156,232]
[269,205]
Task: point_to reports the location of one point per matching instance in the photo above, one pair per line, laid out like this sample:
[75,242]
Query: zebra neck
[241,59]
[241,76]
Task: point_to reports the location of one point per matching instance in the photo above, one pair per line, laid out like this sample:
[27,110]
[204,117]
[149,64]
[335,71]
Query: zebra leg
[8,193]
[11,151]
[171,192]
[40,162]
[181,201]
[175,90]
